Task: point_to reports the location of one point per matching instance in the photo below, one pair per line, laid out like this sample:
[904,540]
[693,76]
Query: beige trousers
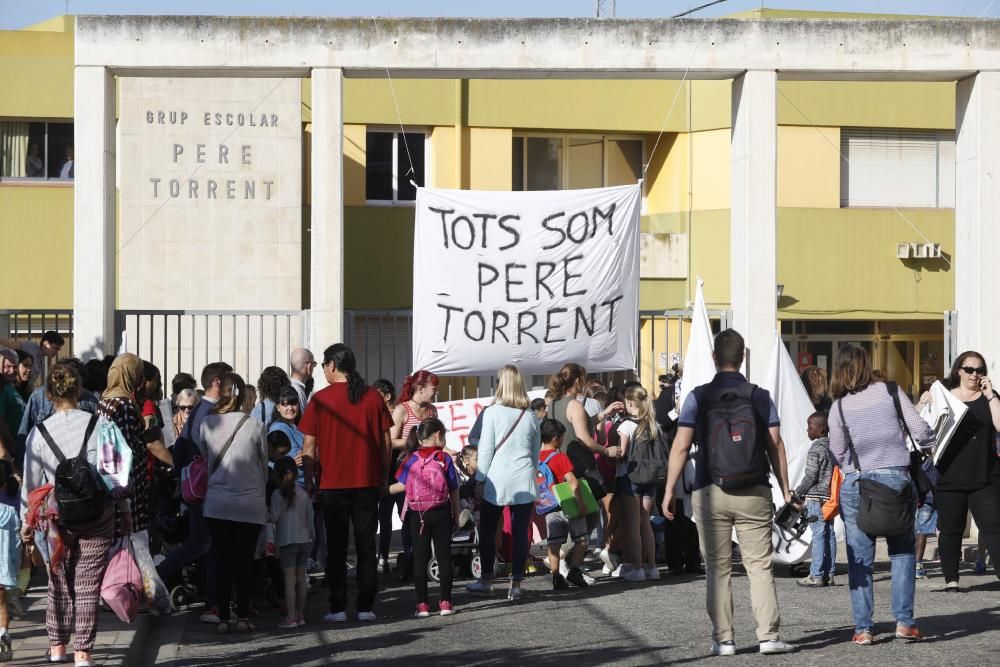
[750,512]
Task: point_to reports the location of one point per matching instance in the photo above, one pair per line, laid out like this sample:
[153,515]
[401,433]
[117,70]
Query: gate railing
[186,340]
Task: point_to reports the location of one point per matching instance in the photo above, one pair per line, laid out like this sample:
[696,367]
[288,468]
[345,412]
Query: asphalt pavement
[612,622]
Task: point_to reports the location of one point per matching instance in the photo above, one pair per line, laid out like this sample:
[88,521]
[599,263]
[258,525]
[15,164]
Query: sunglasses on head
[974,370]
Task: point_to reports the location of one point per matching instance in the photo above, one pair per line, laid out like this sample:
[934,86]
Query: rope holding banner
[399,117]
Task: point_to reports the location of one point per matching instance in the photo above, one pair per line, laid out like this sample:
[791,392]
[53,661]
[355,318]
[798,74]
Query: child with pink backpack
[429,480]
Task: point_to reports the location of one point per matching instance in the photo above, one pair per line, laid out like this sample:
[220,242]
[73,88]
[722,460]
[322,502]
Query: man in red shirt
[346,425]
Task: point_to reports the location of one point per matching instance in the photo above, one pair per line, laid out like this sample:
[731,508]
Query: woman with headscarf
[118,405]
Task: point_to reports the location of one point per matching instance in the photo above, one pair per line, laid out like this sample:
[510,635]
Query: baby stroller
[464,550]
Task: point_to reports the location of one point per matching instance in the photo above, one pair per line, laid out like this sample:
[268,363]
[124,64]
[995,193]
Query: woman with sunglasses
[969,467]
[185,402]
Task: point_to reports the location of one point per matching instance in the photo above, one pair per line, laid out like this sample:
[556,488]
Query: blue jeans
[824,542]
[861,553]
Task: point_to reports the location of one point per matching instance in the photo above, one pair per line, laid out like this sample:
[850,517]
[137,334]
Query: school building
[864,185]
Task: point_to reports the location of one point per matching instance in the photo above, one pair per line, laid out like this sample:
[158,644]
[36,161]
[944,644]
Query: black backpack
[733,437]
[647,459]
[79,494]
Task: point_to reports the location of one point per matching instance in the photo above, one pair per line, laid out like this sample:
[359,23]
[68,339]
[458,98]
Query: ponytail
[343,360]
[566,379]
[423,431]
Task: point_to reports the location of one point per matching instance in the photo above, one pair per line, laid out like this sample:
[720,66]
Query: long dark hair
[343,360]
[10,484]
[953,378]
[287,473]
[425,430]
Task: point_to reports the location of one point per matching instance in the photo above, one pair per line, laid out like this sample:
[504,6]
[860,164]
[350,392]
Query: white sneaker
[479,587]
[608,558]
[589,579]
[618,571]
[607,570]
[723,648]
[652,572]
[775,646]
[634,575]
[366,616]
[336,617]
[563,567]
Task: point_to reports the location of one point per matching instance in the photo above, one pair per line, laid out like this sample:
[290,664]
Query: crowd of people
[230,491]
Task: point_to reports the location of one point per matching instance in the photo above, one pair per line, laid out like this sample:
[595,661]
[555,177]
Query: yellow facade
[834,262]
[37,224]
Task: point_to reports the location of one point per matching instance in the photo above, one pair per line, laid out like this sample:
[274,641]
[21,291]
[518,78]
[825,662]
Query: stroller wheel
[476,567]
[433,570]
[180,596]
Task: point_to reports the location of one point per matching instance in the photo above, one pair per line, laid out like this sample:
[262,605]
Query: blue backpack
[544,481]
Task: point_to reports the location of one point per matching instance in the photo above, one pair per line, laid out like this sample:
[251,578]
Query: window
[573,162]
[36,150]
[387,166]
[894,167]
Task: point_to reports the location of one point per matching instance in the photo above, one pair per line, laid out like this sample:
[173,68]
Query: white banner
[531,278]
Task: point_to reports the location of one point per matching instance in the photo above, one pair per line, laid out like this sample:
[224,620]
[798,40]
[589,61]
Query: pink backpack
[427,482]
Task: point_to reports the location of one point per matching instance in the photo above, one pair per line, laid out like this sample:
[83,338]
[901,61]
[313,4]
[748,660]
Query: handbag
[883,511]
[194,476]
[922,469]
[121,587]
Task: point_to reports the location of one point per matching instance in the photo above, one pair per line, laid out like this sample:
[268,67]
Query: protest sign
[530,278]
[459,416]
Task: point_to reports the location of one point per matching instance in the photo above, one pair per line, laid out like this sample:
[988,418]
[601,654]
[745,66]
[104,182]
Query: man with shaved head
[302,364]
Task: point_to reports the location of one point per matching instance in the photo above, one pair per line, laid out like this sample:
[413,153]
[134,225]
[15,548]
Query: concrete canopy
[543,48]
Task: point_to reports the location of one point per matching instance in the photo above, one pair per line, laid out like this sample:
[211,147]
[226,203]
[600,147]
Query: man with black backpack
[736,427]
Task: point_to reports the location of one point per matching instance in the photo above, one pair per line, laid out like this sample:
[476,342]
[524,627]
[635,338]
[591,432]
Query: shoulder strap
[847,432]
[229,443]
[546,460]
[511,431]
[52,443]
[893,389]
[86,437]
[263,413]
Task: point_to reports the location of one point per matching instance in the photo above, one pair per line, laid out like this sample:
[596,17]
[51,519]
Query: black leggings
[952,507]
[489,516]
[233,545]
[437,527]
[386,504]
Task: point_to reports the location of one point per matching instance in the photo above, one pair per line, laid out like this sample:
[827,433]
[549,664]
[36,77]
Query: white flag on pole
[794,408]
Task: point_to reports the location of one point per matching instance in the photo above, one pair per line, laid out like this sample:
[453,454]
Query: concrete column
[977,236]
[94,234]
[753,158]
[326,320]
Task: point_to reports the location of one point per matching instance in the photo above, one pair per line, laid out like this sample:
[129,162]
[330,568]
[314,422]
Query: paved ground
[638,624]
[117,643]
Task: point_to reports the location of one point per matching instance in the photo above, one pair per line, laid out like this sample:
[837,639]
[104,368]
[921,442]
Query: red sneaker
[863,638]
[423,610]
[446,608]
[910,633]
